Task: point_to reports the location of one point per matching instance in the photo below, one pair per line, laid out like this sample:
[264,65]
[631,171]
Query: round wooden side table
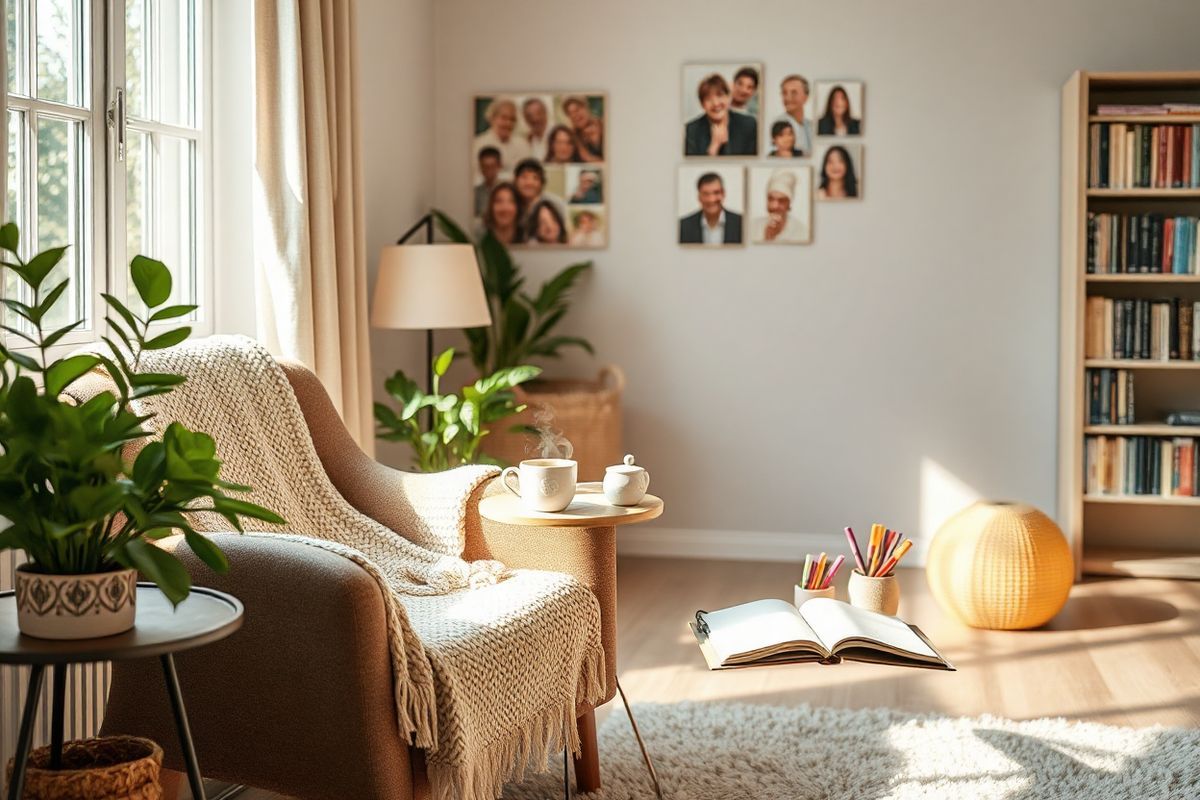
[205,616]
[590,509]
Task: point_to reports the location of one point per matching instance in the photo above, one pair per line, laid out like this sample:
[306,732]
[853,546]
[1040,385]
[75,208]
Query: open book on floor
[775,632]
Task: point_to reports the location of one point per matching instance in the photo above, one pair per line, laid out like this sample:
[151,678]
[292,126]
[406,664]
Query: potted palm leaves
[85,516]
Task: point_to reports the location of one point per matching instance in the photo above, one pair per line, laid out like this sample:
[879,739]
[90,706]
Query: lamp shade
[428,286]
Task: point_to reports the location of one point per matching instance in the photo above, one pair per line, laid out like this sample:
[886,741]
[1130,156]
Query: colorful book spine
[1141,465]
[1158,156]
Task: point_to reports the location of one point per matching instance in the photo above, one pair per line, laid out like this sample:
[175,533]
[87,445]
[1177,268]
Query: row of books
[1146,109]
[1142,329]
[1146,465]
[1118,243]
[1128,156]
[1110,397]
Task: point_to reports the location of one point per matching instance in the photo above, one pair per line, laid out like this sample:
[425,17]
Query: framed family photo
[722,109]
[538,168]
[839,108]
[780,205]
[711,203]
[789,129]
[839,171]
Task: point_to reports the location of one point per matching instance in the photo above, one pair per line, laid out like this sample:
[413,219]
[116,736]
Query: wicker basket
[110,768]
[587,413]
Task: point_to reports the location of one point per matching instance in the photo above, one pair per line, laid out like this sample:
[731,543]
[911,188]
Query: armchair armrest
[306,683]
[587,554]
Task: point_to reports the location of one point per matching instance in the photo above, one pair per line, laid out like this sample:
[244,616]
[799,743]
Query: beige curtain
[310,263]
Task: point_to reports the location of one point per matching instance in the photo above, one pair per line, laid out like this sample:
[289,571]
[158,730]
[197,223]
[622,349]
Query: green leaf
[152,280]
[171,312]
[228,505]
[450,432]
[554,291]
[168,339]
[451,230]
[131,319]
[53,338]
[206,551]
[49,300]
[156,379]
[38,267]
[28,362]
[160,567]
[9,237]
[64,372]
[442,362]
[550,347]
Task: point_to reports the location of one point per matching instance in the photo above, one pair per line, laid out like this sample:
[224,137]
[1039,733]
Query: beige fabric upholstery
[587,554]
[306,683]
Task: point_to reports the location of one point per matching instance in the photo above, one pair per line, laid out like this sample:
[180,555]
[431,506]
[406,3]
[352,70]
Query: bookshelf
[1130,535]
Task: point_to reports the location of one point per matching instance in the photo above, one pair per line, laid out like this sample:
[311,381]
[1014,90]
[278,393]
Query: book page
[755,626]
[835,622]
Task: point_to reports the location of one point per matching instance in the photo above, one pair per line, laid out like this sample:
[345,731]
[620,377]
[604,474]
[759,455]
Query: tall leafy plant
[459,420]
[523,324]
[74,503]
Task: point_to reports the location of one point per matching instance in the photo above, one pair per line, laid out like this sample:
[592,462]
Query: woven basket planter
[109,768]
[587,413]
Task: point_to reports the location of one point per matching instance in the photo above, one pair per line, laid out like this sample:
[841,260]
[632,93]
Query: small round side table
[205,616]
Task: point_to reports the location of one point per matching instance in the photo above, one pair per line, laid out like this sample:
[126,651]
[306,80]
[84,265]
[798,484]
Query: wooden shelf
[1162,119]
[1142,429]
[1139,363]
[1141,500]
[1134,563]
[1145,193]
[1170,525]
[1140,277]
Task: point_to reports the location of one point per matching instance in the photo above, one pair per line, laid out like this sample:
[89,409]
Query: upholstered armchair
[300,700]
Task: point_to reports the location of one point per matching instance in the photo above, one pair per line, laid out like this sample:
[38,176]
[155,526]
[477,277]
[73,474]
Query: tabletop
[589,509]
[205,616]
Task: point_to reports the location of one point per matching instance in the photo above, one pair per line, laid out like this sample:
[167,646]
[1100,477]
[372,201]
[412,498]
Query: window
[107,144]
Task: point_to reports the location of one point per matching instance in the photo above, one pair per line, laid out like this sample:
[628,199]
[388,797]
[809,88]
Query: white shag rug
[706,751]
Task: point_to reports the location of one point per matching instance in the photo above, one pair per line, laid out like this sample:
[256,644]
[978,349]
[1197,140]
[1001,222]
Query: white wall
[904,361]
[396,100]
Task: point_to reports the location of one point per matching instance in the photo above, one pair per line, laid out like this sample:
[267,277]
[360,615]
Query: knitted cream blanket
[489,664]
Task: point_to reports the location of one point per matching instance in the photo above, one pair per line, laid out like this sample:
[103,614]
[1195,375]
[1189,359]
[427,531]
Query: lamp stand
[425,222]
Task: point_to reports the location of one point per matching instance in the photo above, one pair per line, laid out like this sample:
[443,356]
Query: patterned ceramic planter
[75,606]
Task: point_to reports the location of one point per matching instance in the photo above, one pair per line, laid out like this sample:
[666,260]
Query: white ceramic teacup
[546,484]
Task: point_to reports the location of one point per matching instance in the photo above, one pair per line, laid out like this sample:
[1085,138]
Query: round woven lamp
[1003,566]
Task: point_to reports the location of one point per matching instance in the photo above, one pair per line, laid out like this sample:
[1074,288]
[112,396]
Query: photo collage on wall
[805,136]
[538,171]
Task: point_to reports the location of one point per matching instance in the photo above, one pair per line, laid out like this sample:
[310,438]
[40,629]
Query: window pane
[137,156]
[61,51]
[59,211]
[14,196]
[14,27]
[135,58]
[161,202]
[160,57]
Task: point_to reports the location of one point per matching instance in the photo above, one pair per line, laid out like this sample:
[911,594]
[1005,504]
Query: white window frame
[104,229]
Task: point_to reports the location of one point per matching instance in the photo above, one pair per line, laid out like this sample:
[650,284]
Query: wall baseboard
[724,545]
[736,545]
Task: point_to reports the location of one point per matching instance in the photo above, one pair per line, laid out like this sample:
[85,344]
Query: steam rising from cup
[551,442]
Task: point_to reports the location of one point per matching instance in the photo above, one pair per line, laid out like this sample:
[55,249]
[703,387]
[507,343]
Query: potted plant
[579,415]
[84,516]
[459,421]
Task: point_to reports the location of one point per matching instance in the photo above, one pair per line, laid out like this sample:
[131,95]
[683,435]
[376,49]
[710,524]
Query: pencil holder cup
[811,594]
[881,595]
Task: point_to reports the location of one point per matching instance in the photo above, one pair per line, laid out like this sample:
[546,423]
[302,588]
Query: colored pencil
[833,571]
[858,559]
[807,567]
[891,563]
[873,549]
[819,575]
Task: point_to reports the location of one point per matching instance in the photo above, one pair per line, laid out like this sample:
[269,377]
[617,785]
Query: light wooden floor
[1123,652]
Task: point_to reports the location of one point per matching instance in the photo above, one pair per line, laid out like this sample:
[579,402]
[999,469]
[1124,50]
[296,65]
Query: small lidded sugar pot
[626,484]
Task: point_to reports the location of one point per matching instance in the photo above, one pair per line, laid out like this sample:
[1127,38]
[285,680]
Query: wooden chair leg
[171,781]
[587,765]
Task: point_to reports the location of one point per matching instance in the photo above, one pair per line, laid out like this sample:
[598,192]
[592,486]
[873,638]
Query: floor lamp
[428,286]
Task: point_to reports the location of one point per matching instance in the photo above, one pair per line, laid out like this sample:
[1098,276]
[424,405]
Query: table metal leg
[16,786]
[181,727]
[58,713]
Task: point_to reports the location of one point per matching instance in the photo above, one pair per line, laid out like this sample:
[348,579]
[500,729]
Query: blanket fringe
[527,749]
